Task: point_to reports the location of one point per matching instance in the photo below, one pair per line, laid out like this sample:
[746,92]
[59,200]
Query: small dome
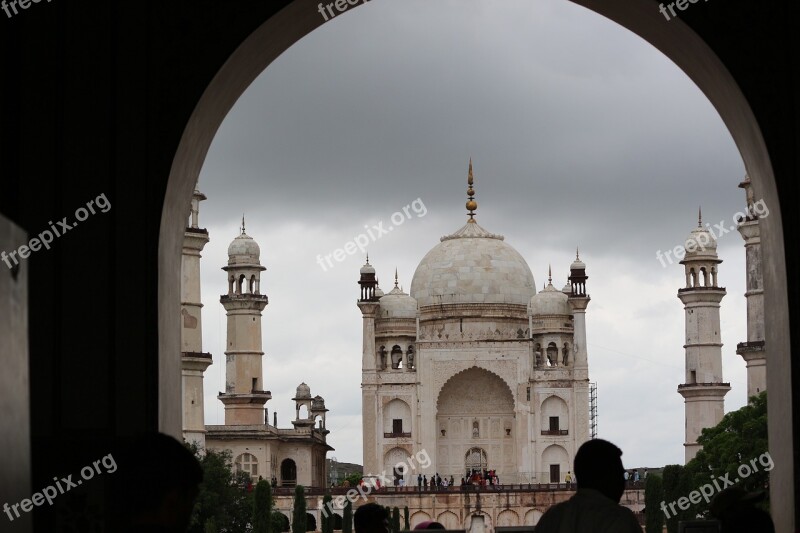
[243,250]
[700,242]
[318,403]
[550,301]
[303,391]
[378,292]
[367,268]
[567,288]
[398,304]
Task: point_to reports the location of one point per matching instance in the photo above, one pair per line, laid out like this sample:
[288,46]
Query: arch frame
[676,40]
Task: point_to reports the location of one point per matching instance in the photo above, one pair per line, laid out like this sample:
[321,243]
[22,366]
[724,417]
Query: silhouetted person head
[155,485]
[598,466]
[371,518]
[735,508]
[429,524]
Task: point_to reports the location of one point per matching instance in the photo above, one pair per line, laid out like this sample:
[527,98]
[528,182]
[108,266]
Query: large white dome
[472,266]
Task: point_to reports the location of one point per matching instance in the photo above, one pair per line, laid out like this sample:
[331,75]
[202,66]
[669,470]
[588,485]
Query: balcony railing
[555,432]
[397,435]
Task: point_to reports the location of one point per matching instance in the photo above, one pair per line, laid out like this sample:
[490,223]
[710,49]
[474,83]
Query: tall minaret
[193,360]
[754,350]
[704,390]
[369,305]
[244,395]
[579,301]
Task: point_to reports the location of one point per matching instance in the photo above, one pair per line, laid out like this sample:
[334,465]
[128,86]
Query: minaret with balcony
[703,390]
[244,395]
[194,361]
[754,350]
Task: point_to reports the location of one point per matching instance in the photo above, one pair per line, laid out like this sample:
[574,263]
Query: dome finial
[549,275]
[395,277]
[577,254]
[472,205]
[242,223]
[367,257]
[699,217]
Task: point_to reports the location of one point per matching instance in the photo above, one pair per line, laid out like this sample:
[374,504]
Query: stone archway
[676,40]
[475,421]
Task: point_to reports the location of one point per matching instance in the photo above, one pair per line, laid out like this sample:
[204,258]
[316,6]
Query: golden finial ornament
[472,205]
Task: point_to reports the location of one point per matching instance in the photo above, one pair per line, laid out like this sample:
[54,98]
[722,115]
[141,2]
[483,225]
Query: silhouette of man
[371,518]
[156,484]
[595,506]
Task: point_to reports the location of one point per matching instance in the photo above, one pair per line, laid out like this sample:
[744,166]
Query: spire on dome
[472,205]
[549,274]
[242,223]
[577,254]
[699,217]
[395,277]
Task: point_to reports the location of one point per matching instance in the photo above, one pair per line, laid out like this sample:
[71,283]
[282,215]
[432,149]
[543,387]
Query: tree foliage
[396,520]
[327,517]
[262,508]
[299,510]
[223,501]
[406,525]
[734,451]
[347,517]
[653,496]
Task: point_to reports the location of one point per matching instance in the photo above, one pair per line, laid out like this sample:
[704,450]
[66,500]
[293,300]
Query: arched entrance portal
[675,39]
[471,423]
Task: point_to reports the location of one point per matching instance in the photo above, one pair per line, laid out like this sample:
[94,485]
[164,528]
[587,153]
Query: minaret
[369,305]
[244,395]
[704,390]
[753,351]
[579,301]
[193,360]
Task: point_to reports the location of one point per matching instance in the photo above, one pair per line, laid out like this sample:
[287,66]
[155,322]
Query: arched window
[704,276]
[565,354]
[253,288]
[475,460]
[552,354]
[397,356]
[239,284]
[247,462]
[288,473]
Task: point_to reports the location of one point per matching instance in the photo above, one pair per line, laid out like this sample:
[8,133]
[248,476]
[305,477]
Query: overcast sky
[581,135]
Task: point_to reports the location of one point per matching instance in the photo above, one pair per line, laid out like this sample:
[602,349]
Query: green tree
[737,446]
[653,496]
[222,499]
[353,479]
[262,507]
[406,525]
[396,520]
[210,527]
[327,519]
[673,490]
[299,510]
[347,517]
